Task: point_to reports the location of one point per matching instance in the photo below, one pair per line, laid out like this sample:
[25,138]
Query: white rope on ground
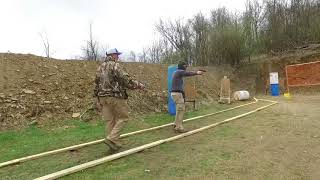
[36,156]
[140,148]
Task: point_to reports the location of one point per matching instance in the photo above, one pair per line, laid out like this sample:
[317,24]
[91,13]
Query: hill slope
[35,89]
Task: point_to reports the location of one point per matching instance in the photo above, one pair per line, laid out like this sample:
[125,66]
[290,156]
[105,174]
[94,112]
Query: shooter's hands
[141,86]
[200,72]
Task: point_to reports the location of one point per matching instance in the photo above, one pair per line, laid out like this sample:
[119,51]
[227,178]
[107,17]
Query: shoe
[111,151]
[113,146]
[180,130]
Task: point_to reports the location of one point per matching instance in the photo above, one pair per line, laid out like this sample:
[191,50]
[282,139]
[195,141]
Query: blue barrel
[275,90]
[171,104]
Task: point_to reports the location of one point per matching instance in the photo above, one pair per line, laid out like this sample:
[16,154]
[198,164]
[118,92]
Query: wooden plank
[141,148]
[304,85]
[36,156]
[267,100]
[304,63]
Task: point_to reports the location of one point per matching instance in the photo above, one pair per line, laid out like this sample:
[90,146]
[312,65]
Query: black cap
[181,65]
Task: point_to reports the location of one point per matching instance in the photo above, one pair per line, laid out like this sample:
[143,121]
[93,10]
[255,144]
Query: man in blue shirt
[177,93]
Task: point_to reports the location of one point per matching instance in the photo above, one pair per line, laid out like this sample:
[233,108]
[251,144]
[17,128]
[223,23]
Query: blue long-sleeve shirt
[177,80]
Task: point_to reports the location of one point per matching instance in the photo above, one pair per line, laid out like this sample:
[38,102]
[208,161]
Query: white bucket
[241,95]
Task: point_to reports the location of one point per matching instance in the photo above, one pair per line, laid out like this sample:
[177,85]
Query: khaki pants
[180,109]
[115,112]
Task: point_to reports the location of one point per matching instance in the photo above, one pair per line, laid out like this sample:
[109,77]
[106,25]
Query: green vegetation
[32,140]
[227,37]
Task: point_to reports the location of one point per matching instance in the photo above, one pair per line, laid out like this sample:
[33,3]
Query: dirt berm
[37,90]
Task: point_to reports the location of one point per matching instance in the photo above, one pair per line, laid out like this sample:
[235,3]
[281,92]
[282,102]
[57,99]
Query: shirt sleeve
[188,73]
[97,81]
[124,78]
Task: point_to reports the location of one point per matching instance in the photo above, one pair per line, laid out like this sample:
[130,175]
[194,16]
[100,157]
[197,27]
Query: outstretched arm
[191,73]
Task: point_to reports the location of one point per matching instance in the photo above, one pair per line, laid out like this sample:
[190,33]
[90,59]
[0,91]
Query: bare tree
[253,18]
[227,38]
[179,35]
[143,57]
[46,44]
[156,52]
[251,22]
[200,27]
[132,56]
[168,52]
[159,52]
[220,18]
[102,51]
[91,50]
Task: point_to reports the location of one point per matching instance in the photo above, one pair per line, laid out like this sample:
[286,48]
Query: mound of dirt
[37,90]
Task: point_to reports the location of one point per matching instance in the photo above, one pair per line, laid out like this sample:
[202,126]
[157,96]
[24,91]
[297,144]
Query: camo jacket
[113,81]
